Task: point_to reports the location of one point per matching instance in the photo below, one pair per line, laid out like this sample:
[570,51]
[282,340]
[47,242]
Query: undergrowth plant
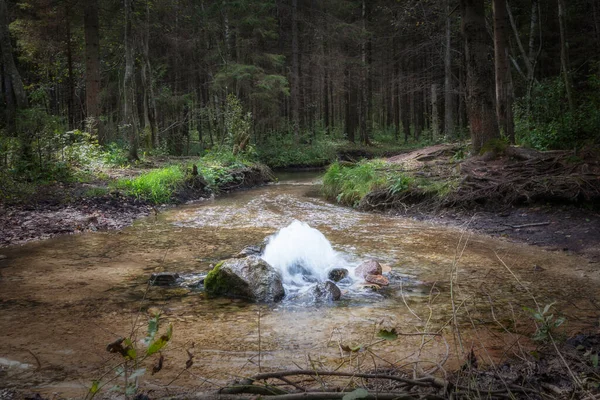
[545,322]
[349,184]
[124,377]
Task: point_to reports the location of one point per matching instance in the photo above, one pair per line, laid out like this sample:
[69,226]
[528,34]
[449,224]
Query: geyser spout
[301,254]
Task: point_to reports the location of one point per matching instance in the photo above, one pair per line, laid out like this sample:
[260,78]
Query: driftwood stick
[428,381]
[529,225]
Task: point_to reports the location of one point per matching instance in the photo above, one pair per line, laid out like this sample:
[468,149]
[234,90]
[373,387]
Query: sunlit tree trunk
[480,77]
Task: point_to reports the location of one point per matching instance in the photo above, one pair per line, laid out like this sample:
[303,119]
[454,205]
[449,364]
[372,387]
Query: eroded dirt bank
[548,199]
[68,209]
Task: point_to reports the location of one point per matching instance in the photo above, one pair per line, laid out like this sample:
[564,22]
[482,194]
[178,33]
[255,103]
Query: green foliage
[115,155]
[237,124]
[130,369]
[397,183]
[546,323]
[550,124]
[349,184]
[281,151]
[157,186]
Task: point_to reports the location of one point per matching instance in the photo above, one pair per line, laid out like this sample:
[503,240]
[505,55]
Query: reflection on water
[91,285]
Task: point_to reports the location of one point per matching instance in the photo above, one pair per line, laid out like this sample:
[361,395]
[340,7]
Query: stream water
[64,299]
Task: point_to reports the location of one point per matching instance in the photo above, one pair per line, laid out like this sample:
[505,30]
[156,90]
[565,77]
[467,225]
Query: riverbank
[116,197]
[546,199]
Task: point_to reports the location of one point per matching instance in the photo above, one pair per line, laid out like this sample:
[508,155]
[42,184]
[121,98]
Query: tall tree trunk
[149,103]
[448,92]
[350,104]
[480,77]
[435,121]
[564,54]
[365,89]
[504,89]
[130,122]
[14,89]
[295,87]
[70,78]
[92,68]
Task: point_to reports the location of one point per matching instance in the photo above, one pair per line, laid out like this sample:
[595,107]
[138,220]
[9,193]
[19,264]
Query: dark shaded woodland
[156,75]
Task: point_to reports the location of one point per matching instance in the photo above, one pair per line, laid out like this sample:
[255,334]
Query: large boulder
[250,278]
[370,267]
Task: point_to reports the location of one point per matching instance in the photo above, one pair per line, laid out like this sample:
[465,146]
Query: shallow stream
[63,300]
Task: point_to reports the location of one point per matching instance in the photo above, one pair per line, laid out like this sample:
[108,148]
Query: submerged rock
[337,274]
[370,267]
[326,291]
[250,278]
[164,278]
[377,279]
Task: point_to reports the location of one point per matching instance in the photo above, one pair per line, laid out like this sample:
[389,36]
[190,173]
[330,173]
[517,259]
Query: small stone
[370,267]
[249,251]
[377,279]
[327,291]
[337,274]
[164,278]
[3,257]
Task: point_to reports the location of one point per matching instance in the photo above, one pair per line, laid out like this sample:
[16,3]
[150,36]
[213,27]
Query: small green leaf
[349,349]
[130,350]
[388,335]
[95,387]
[356,394]
[161,342]
[153,325]
[548,307]
[594,358]
[559,321]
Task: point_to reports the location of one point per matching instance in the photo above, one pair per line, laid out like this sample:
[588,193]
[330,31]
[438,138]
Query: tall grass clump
[349,184]
[157,186]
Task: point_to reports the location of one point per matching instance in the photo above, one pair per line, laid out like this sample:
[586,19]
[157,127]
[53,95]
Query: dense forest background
[287,81]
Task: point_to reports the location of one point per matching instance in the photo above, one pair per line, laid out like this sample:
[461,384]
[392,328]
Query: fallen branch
[530,225]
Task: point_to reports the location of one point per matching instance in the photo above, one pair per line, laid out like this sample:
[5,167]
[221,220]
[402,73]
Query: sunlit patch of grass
[349,184]
[157,186]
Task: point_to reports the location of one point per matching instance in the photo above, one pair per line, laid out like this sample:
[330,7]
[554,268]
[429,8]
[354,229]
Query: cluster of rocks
[372,272]
[249,277]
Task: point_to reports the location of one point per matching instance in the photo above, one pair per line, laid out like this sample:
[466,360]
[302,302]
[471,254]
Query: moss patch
[220,282]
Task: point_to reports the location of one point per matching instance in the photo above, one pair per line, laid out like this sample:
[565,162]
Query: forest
[299,199]
[291,81]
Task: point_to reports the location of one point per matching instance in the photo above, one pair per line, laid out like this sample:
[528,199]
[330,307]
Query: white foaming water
[302,254]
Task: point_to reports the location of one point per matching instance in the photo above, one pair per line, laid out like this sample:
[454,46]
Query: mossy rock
[249,278]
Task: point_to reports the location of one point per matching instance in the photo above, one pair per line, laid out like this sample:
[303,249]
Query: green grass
[349,184]
[157,186]
[160,186]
